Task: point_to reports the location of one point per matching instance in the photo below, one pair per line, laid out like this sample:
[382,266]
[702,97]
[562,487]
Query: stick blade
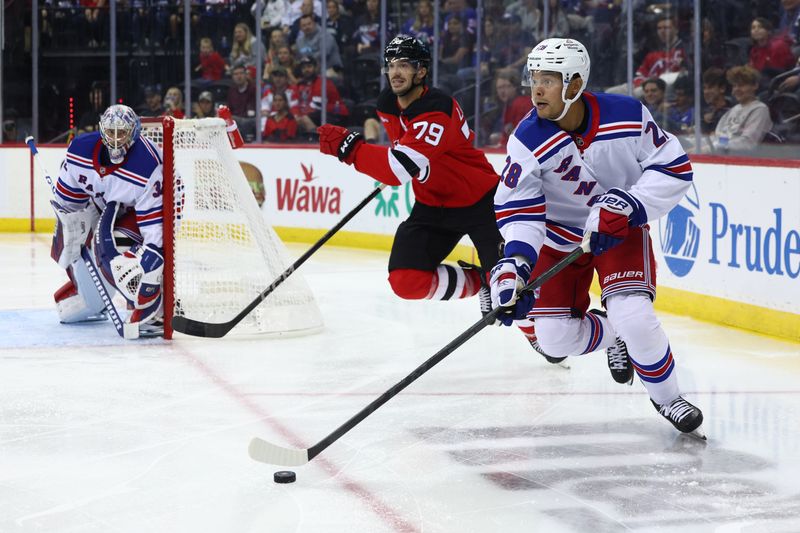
[195,328]
[266,452]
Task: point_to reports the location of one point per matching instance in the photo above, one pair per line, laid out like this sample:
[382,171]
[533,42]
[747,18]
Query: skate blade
[698,433]
[562,364]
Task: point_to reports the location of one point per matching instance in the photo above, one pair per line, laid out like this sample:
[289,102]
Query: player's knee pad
[559,337]
[411,284]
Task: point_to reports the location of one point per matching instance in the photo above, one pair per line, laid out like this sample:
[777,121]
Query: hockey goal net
[220,253]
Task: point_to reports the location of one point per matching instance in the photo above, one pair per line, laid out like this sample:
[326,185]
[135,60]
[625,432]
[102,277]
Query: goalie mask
[567,57]
[119,128]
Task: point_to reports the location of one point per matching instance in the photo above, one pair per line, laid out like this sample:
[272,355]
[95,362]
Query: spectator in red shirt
[211,66]
[308,110]
[668,57]
[667,60]
[512,106]
[173,103]
[278,83]
[281,125]
[770,54]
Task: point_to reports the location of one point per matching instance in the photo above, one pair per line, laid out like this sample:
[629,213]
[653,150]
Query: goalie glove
[609,219]
[339,141]
[138,274]
[509,275]
[71,232]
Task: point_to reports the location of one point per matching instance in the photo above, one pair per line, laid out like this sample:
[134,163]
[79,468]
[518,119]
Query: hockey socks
[446,282]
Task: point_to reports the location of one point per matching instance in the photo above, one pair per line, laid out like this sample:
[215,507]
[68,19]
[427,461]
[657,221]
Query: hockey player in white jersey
[110,185]
[583,162]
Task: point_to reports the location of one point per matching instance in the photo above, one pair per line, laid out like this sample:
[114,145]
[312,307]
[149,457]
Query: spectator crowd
[750,75]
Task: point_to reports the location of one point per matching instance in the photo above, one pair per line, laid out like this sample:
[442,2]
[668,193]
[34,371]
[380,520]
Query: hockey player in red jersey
[598,163]
[454,184]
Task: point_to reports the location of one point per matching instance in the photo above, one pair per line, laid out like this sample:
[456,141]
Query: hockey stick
[198,328]
[124,329]
[266,452]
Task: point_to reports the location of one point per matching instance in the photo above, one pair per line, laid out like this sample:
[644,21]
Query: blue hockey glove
[608,220]
[509,275]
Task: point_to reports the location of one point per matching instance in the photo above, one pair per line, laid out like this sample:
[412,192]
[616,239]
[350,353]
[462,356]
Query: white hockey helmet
[119,128]
[566,56]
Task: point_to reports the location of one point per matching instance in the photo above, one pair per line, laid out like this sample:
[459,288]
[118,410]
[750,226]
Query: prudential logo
[680,235]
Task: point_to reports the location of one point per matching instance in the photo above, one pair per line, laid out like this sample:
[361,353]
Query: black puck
[285,476]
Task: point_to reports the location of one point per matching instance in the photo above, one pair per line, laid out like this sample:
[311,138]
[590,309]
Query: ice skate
[684,416]
[558,361]
[484,293]
[154,328]
[619,362]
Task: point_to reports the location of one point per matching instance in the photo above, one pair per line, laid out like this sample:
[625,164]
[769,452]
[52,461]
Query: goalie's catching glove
[608,220]
[509,275]
[339,141]
[137,273]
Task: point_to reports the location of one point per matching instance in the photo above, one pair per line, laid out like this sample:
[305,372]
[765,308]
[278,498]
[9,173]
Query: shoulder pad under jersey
[432,101]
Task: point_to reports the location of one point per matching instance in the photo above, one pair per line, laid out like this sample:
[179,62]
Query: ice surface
[98,434]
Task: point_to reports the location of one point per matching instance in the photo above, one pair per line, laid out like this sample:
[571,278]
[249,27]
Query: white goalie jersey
[551,176]
[135,183]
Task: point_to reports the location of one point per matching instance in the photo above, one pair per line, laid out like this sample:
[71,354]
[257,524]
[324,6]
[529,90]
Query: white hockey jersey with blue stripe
[136,183]
[551,176]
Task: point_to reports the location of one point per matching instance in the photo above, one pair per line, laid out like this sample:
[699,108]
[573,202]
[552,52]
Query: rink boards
[728,253]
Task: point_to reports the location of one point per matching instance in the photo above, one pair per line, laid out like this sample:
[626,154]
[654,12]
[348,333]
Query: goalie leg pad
[78,299]
[71,232]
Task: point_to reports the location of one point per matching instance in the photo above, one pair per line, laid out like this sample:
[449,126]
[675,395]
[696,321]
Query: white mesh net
[225,253]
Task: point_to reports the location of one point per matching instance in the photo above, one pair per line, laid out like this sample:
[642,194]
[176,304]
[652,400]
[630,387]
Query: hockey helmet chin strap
[567,101]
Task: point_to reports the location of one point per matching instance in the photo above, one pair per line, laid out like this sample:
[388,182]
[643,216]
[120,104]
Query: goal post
[219,250]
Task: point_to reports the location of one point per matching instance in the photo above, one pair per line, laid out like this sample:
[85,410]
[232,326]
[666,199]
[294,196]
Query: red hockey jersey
[432,145]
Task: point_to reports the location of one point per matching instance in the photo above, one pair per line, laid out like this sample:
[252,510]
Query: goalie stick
[197,328]
[267,452]
[125,330]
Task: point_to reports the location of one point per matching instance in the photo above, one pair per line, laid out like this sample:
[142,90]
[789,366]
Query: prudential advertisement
[735,235]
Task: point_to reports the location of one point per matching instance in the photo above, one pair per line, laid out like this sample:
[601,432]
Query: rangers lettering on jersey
[135,183]
[552,177]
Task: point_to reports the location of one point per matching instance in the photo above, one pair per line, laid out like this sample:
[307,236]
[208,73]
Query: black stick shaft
[205,329]
[316,449]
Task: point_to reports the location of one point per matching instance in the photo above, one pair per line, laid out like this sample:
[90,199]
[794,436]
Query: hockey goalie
[109,200]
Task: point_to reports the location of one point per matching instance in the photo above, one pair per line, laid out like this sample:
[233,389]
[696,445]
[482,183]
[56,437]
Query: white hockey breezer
[219,250]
